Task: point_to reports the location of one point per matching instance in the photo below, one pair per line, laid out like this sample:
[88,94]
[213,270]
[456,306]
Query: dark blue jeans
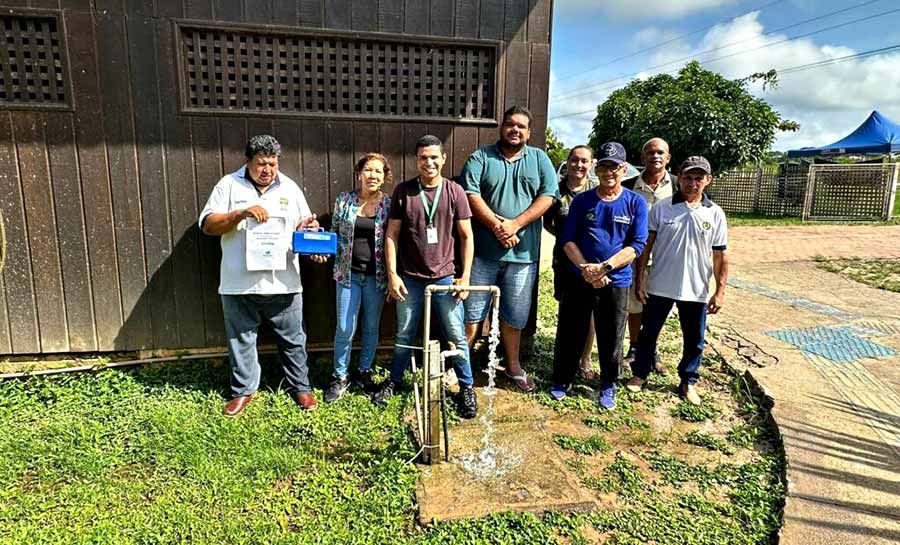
[692,316]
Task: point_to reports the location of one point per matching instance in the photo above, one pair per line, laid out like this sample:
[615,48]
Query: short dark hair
[429,140]
[262,144]
[516,109]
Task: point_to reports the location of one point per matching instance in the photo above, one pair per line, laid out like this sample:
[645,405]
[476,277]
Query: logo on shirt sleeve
[590,216]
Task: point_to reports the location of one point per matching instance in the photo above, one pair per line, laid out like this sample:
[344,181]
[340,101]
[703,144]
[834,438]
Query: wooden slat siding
[183,207]
[166,9]
[392,148]
[69,209]
[208,171]
[337,15]
[518,65]
[120,138]
[491,20]
[539,22]
[255,126]
[416,17]
[366,139]
[390,15]
[465,142]
[95,188]
[466,20]
[411,133]
[233,143]
[45,4]
[515,20]
[10,210]
[445,133]
[442,23]
[82,5]
[21,311]
[198,9]
[312,13]
[228,10]
[111,7]
[256,11]
[159,297]
[285,12]
[340,160]
[539,93]
[489,135]
[364,15]
[37,194]
[314,180]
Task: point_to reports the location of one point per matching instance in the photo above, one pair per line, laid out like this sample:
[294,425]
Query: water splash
[491,461]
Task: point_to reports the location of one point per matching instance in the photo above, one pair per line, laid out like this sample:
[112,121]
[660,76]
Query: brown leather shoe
[236,406]
[306,400]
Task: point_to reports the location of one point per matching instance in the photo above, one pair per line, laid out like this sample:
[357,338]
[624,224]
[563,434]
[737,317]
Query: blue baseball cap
[613,152]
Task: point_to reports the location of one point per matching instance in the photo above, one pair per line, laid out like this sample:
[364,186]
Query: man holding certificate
[255,210]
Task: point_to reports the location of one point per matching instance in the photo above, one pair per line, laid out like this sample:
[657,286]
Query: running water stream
[491,461]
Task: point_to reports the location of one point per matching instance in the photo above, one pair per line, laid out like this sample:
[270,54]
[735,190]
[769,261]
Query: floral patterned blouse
[343,220]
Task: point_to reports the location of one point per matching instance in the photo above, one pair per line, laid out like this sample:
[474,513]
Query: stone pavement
[827,351]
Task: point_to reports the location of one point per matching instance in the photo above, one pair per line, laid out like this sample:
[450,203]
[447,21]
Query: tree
[698,112]
[557,151]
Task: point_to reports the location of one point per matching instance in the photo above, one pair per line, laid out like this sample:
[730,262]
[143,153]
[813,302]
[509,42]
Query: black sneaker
[364,382]
[467,402]
[385,393]
[336,389]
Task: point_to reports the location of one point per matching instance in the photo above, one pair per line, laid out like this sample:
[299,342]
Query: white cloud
[828,101]
[631,10]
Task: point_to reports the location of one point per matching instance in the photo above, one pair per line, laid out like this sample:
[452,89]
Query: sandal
[523,382]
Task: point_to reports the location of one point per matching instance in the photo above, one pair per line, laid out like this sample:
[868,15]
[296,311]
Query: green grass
[758,220]
[143,456]
[878,273]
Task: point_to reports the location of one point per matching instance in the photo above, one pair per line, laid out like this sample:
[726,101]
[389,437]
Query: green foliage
[707,441]
[698,112]
[556,150]
[878,273]
[612,421]
[586,446]
[694,413]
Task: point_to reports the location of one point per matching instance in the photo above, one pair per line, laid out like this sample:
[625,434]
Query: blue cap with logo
[613,152]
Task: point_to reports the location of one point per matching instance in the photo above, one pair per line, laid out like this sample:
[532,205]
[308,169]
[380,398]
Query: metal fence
[813,192]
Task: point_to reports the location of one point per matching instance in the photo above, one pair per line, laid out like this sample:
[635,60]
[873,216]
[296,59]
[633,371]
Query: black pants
[609,307]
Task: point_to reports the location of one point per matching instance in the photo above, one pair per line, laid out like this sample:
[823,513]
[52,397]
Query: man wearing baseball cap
[688,238]
[605,231]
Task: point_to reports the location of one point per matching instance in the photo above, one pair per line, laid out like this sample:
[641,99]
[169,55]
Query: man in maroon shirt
[419,249]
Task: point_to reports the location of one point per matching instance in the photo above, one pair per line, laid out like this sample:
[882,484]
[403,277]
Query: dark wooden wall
[100,203]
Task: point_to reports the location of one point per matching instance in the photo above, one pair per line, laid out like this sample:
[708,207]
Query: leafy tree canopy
[557,151]
[698,112]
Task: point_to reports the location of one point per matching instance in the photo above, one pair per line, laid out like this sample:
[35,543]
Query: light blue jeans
[449,313]
[515,280]
[363,291]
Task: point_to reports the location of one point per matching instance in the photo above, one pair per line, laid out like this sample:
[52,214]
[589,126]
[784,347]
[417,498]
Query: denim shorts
[516,282]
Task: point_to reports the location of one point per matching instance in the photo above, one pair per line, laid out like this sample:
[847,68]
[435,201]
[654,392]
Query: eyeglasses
[610,168]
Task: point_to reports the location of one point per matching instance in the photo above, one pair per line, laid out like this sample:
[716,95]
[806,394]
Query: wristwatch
[607,266]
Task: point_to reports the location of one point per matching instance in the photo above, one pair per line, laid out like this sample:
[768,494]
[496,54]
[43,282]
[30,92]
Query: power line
[667,42]
[595,86]
[742,52]
[790,70]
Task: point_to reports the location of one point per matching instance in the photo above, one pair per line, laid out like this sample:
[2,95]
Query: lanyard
[430,208]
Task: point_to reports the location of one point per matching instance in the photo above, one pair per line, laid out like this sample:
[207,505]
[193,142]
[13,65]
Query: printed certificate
[267,244]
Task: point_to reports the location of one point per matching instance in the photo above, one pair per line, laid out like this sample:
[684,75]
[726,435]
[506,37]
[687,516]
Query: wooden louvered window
[244,70]
[33,73]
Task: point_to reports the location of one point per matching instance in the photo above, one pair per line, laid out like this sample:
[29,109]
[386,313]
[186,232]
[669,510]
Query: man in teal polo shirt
[510,185]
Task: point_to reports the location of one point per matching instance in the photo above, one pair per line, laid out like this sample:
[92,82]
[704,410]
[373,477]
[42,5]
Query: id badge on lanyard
[431,232]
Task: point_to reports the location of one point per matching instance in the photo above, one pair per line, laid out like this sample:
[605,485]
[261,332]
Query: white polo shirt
[283,199]
[682,252]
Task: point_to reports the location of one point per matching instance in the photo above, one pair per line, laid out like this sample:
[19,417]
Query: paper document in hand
[267,244]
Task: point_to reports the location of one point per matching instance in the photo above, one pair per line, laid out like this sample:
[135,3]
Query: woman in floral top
[359,219]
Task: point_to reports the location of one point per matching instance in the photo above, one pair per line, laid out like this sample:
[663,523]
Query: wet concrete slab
[532,475]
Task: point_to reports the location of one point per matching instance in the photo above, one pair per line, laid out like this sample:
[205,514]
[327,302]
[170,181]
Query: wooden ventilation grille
[32,67]
[243,71]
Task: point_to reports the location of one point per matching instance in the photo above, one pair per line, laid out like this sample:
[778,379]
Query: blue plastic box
[315,242]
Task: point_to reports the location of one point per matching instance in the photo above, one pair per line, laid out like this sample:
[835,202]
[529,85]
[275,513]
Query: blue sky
[828,102]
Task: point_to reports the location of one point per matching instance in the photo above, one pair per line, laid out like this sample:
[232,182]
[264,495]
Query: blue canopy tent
[877,134]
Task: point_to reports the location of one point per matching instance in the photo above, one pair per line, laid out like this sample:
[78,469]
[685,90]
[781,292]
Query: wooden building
[117,117]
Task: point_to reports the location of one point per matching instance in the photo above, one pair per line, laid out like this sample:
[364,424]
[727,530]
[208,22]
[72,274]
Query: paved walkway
[827,351]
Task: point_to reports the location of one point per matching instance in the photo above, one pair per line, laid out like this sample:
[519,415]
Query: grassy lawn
[879,273]
[756,220]
[143,456]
